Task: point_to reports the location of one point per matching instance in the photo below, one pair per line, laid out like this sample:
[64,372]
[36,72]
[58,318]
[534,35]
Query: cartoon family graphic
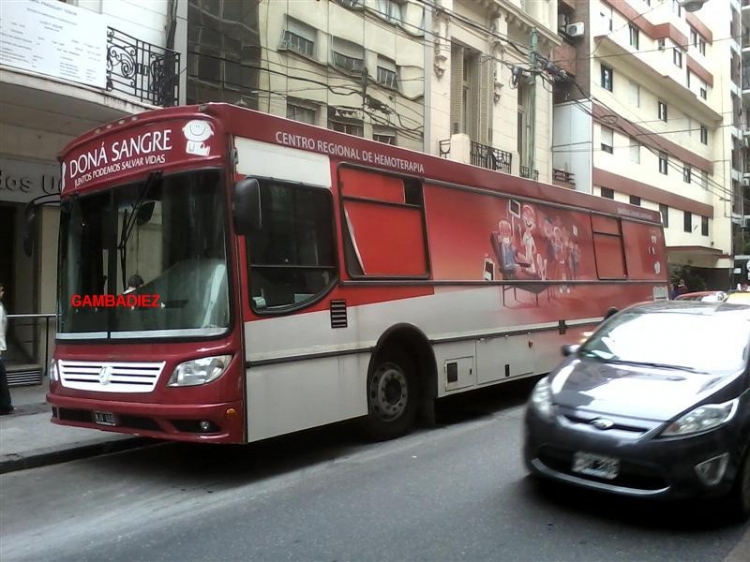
[547,253]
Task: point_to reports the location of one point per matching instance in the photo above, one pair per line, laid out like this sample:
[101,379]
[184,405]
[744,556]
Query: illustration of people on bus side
[540,246]
[513,263]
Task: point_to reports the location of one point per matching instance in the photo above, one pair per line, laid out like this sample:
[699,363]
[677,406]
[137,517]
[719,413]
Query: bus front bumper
[200,423]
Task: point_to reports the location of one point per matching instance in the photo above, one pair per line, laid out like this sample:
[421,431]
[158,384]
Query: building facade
[648,111]
[65,68]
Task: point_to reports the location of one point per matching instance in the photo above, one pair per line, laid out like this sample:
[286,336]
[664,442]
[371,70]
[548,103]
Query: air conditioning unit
[575,29]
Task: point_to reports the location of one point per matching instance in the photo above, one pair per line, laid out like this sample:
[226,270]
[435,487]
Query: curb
[49,456]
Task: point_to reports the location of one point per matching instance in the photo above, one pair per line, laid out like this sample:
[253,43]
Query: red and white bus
[289,276]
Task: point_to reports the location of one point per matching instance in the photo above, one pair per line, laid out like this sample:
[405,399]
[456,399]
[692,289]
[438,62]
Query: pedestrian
[682,287]
[5,403]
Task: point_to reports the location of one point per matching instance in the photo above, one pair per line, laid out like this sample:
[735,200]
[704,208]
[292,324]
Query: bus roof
[242,122]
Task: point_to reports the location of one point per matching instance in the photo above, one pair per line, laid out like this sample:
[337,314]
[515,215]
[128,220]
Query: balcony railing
[563,176]
[491,158]
[746,78]
[526,173]
[148,72]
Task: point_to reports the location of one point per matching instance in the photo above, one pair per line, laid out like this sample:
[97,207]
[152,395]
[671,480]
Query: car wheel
[739,496]
[392,396]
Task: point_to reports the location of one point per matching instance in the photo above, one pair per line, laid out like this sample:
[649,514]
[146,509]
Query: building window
[704,226]
[635,200]
[392,10]
[677,57]
[606,15]
[704,135]
[387,73]
[704,180]
[687,173]
[702,46]
[662,111]
[693,37]
[687,81]
[687,221]
[348,127]
[300,113]
[635,152]
[386,136]
[635,93]
[677,8]
[607,77]
[299,38]
[608,140]
[661,43]
[607,193]
[664,210]
[663,163]
[704,90]
[348,56]
[351,3]
[634,38]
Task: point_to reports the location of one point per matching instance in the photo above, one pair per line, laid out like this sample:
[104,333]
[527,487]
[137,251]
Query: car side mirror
[246,208]
[568,350]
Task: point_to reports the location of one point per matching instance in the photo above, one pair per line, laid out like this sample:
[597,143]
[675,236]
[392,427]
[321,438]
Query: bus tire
[392,395]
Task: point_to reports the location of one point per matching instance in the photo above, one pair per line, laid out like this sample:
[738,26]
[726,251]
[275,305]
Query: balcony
[563,178]
[527,173]
[491,158]
[479,155]
[143,70]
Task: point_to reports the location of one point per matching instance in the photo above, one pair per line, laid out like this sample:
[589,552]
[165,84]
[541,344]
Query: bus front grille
[110,377]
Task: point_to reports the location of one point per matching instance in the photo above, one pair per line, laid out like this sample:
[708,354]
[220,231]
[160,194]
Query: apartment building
[648,113]
[355,66]
[489,102]
[65,68]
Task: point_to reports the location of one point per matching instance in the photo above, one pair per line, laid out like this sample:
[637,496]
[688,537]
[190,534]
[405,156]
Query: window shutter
[486,91]
[457,85]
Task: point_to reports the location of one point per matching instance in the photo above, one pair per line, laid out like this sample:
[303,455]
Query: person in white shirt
[6,407]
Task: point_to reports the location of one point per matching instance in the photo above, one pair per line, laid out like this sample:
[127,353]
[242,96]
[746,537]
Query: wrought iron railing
[563,176]
[491,158]
[148,72]
[527,173]
[445,148]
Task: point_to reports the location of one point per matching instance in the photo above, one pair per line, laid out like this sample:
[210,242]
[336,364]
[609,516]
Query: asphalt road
[454,492]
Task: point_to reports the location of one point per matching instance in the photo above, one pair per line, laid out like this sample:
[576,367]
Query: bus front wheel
[392,396]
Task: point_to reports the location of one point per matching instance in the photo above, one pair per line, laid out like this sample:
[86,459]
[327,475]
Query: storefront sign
[56,39]
[23,180]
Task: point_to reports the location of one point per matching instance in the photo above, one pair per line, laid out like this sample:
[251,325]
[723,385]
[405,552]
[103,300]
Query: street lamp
[692,5]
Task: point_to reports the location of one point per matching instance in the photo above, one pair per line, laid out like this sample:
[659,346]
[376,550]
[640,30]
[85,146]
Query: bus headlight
[53,375]
[199,371]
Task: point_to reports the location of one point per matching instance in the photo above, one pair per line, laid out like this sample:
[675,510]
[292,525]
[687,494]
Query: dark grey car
[656,403]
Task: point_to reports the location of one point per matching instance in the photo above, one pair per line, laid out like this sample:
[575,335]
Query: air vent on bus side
[338,314]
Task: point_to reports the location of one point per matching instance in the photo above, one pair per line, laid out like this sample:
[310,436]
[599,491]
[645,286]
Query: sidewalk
[28,438]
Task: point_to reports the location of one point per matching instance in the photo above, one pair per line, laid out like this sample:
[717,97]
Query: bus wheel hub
[389,392]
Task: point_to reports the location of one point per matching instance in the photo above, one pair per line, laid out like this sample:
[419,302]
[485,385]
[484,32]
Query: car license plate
[105,418]
[596,465]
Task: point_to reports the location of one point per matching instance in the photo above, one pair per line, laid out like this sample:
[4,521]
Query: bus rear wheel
[392,397]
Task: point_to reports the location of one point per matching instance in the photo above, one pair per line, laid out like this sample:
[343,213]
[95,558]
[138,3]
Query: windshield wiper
[657,365]
[129,223]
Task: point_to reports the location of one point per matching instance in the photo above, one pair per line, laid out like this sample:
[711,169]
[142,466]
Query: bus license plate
[105,418]
[596,465]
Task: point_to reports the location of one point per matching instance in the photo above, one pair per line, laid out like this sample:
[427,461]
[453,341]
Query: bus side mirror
[29,230]
[246,206]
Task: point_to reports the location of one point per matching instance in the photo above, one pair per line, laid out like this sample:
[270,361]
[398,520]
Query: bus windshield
[156,249]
